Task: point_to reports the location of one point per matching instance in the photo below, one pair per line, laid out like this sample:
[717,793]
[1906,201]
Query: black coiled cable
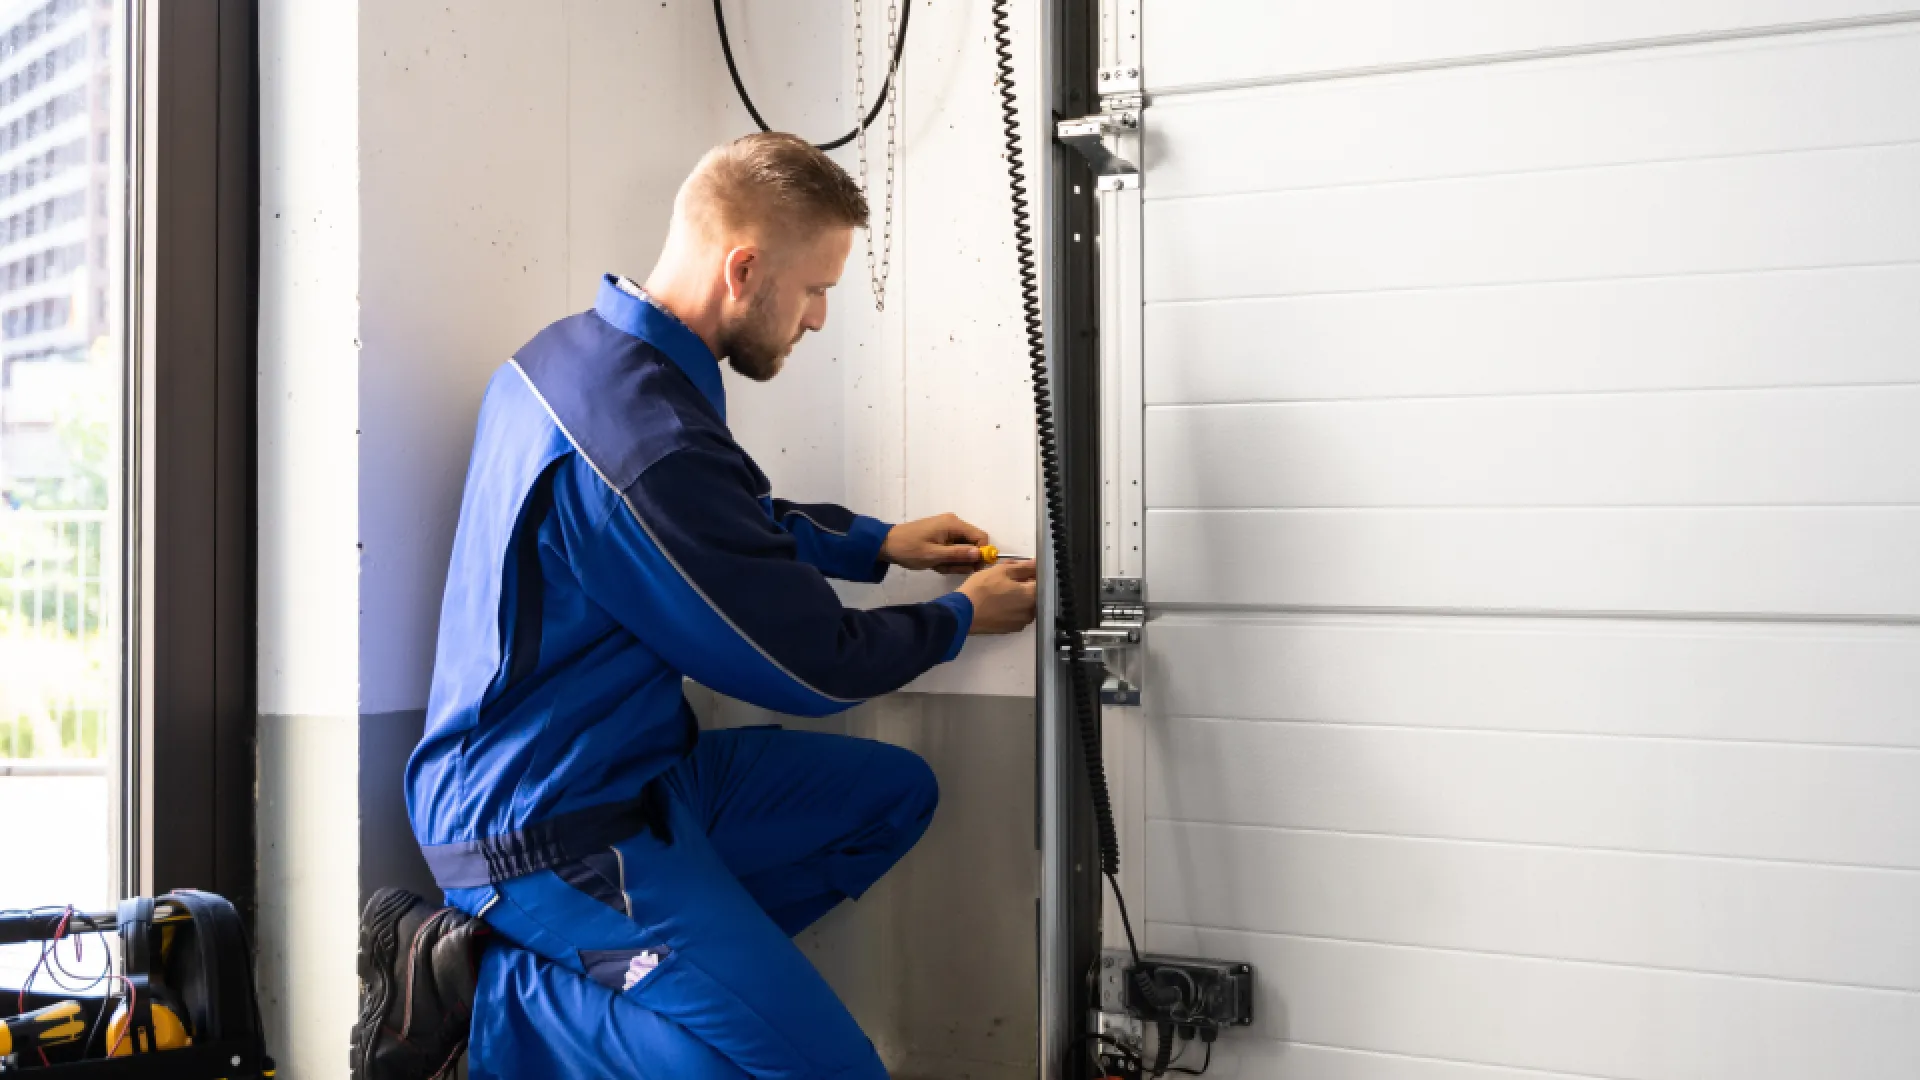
[1086,711]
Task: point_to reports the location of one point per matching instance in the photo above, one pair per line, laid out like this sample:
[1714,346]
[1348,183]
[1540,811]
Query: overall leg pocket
[620,970]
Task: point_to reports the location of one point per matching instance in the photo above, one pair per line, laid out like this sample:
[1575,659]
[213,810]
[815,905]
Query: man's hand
[943,543]
[1002,596]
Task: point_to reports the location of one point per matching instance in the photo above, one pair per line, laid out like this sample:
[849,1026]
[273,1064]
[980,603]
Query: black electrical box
[1181,990]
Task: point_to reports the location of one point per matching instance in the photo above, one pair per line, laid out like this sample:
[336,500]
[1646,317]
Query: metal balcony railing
[59,633]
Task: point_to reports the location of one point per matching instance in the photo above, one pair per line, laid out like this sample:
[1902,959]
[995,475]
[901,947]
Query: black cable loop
[740,86]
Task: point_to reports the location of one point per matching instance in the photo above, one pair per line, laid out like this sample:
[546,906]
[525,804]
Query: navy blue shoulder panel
[621,401]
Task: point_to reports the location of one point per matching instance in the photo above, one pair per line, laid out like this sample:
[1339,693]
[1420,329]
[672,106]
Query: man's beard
[751,344]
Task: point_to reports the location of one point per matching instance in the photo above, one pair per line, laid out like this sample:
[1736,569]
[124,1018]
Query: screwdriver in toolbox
[54,1025]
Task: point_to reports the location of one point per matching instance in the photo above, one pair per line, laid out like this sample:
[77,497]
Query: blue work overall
[646,878]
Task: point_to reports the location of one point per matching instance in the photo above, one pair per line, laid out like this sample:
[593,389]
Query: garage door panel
[1724,916]
[1856,445]
[1535,624]
[1832,327]
[1209,42]
[1837,805]
[1771,95]
[1581,1019]
[1757,562]
[1777,212]
[1808,684]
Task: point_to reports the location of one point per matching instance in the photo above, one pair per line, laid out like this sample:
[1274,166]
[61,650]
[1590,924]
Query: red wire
[132,997]
[59,932]
[22,1006]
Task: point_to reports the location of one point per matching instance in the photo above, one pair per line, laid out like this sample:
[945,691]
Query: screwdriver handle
[53,1025]
[990,555]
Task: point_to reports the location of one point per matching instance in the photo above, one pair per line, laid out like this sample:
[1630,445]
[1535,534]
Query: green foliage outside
[58,662]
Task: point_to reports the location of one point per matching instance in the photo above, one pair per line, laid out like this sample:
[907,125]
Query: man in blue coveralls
[641,881]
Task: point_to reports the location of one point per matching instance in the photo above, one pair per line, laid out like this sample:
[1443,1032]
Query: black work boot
[418,966]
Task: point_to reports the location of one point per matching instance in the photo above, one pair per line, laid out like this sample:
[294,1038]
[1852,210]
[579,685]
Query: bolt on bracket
[1123,79]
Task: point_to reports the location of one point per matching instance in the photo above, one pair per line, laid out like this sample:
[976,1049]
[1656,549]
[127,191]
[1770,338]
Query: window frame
[190,690]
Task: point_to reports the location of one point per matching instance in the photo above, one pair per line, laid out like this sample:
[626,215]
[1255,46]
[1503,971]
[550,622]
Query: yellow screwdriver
[55,1025]
[990,555]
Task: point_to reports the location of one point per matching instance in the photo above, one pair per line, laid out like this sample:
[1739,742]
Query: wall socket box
[1210,993]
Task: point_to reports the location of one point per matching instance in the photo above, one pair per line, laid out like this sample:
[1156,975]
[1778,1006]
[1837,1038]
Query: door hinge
[1114,643]
[1121,103]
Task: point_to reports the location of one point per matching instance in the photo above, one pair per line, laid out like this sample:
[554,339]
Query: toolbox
[177,1003]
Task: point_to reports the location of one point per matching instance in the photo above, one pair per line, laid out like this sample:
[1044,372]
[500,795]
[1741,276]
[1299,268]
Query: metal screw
[1106,76]
[1133,73]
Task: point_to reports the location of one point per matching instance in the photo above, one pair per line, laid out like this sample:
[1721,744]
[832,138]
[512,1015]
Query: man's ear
[742,263]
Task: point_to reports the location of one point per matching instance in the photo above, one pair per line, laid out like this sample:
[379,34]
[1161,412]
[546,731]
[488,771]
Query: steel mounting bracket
[1113,643]
[1121,104]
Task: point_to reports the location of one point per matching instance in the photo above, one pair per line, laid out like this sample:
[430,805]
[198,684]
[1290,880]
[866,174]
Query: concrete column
[309,664]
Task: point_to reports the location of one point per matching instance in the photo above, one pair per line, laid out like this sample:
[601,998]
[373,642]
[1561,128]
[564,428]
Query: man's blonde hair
[770,182]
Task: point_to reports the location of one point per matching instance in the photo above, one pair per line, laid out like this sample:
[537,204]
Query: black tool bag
[184,963]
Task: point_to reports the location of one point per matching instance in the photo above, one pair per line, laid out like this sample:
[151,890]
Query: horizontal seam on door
[1532,395]
[1732,618]
[1392,1055]
[1529,508]
[1871,748]
[1543,170]
[1544,959]
[1658,41]
[1525,283]
[1536,845]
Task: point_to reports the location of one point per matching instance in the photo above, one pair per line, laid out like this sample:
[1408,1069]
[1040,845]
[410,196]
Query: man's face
[786,292]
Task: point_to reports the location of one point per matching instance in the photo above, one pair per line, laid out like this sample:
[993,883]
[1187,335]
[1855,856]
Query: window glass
[62,449]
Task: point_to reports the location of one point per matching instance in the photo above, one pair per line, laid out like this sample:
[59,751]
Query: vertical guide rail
[1071,866]
[1123,459]
[1054,711]
[1056,808]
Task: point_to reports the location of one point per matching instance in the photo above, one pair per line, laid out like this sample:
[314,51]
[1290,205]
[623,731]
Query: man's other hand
[1002,597]
[942,542]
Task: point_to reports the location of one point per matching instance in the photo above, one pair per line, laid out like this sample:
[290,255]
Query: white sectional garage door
[1527,415]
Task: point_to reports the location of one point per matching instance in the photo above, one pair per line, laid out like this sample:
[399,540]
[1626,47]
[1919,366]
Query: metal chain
[878,269]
